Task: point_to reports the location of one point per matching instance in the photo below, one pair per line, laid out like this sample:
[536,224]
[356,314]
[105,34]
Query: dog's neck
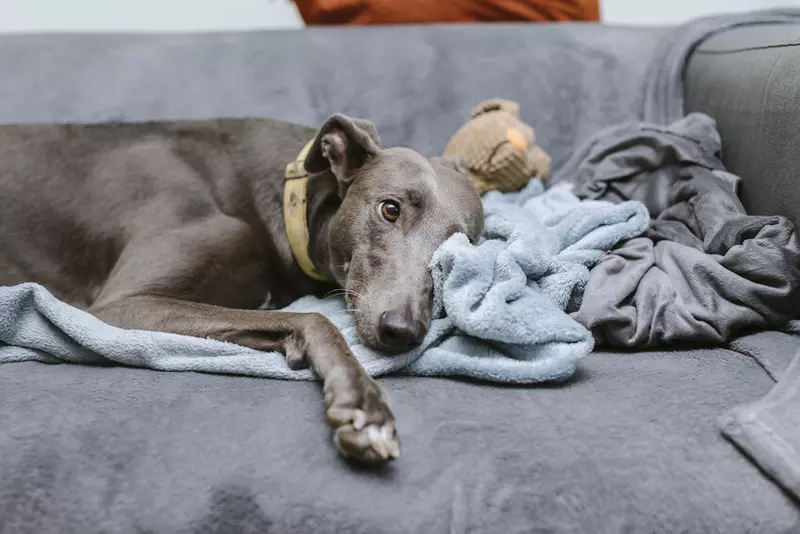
[322,202]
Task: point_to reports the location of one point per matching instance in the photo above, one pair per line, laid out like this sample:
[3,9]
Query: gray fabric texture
[773,350]
[628,445]
[705,270]
[500,306]
[768,430]
[747,80]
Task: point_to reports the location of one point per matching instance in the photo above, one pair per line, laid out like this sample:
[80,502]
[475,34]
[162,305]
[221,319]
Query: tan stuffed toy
[500,149]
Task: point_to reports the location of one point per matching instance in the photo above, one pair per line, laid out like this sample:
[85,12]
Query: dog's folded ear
[343,145]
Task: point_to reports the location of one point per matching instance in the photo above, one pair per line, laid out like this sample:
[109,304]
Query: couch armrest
[748,80]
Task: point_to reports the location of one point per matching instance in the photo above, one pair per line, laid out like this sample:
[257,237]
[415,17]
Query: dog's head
[397,207]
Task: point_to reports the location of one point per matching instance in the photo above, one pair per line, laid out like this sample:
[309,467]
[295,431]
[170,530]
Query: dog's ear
[343,145]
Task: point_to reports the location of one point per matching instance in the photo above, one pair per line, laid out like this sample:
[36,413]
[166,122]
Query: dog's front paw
[358,412]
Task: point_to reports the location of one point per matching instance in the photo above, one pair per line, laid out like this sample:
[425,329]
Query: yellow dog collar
[294,213]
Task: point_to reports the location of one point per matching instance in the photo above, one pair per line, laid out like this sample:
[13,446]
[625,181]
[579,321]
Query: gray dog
[187,227]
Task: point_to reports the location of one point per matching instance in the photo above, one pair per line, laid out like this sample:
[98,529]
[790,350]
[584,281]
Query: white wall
[205,15]
[146,15]
[675,11]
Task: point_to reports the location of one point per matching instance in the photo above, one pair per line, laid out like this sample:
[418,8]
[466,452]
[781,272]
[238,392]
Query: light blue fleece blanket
[500,306]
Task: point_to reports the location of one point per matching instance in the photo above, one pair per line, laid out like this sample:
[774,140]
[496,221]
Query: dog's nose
[397,331]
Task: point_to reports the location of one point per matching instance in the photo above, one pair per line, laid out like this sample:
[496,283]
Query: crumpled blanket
[704,270]
[500,306]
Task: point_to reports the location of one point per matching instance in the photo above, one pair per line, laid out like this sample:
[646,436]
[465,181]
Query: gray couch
[631,444]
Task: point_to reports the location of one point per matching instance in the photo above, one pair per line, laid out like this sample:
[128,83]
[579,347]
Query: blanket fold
[500,306]
[704,270]
[768,430]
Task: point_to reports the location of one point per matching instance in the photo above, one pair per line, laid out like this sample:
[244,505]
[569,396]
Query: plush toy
[500,150]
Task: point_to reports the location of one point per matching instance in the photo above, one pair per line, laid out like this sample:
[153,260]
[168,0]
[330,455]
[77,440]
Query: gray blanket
[705,270]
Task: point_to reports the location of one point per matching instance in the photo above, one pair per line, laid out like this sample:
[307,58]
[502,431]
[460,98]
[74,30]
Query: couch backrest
[418,84]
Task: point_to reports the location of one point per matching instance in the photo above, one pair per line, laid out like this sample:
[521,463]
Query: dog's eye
[389,210]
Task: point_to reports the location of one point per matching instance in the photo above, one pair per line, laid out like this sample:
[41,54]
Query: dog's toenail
[359,419]
[373,434]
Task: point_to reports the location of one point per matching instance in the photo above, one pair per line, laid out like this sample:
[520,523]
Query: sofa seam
[743,351]
[720,52]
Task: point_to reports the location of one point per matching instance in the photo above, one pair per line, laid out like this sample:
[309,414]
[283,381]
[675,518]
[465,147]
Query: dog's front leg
[357,408]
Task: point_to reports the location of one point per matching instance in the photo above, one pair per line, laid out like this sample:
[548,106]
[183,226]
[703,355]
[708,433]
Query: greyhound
[186,227]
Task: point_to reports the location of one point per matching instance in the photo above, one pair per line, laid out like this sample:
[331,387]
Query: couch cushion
[631,445]
[747,79]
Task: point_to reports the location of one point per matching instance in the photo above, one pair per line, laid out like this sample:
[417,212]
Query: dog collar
[294,213]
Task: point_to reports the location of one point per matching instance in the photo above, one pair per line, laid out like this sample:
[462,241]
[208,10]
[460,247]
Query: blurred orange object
[360,12]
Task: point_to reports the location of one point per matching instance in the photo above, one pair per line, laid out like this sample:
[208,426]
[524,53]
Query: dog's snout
[398,331]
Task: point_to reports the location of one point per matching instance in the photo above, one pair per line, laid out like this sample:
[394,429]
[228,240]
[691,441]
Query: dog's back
[71,196]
